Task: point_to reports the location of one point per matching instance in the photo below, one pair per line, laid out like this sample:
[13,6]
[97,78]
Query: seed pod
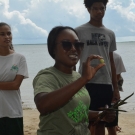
[102,61]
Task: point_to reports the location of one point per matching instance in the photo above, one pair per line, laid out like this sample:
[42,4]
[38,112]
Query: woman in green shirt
[60,95]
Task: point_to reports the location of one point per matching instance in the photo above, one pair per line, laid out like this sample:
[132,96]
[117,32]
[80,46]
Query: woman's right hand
[110,116]
[88,71]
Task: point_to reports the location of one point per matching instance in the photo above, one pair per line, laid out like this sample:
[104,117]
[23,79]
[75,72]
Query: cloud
[76,8]
[19,21]
[32,20]
[120,17]
[125,12]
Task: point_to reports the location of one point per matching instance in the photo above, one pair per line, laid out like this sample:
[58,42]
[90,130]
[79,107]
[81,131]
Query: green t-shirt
[72,118]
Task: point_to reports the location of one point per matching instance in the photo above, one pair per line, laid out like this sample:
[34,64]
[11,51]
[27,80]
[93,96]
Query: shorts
[11,126]
[101,95]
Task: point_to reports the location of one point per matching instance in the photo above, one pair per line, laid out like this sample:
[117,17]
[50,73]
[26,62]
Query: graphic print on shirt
[79,114]
[14,68]
[98,39]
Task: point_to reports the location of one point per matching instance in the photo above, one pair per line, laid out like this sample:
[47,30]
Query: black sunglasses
[67,45]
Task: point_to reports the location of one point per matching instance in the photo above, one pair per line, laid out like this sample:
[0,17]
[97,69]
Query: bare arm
[13,85]
[116,95]
[118,77]
[92,115]
[48,102]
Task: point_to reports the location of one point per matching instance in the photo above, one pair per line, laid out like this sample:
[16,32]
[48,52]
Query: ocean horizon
[46,43]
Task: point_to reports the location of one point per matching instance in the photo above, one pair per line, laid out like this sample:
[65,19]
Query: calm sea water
[38,58]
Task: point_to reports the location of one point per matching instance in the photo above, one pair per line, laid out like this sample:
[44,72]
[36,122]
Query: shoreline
[31,120]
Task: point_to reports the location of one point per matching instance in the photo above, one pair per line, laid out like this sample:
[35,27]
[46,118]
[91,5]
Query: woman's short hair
[52,37]
[88,3]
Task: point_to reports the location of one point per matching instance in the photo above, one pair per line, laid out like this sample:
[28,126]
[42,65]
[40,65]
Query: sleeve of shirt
[119,65]
[113,43]
[45,83]
[23,70]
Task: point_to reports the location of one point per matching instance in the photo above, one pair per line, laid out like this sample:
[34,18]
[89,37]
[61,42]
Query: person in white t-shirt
[119,69]
[13,69]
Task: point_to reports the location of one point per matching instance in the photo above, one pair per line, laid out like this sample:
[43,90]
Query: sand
[31,120]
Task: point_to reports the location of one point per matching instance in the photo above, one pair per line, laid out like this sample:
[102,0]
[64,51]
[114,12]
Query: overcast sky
[31,20]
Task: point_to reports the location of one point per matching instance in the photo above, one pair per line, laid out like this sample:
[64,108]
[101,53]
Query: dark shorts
[101,95]
[11,126]
[114,123]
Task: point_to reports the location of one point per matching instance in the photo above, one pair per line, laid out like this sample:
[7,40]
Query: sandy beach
[31,120]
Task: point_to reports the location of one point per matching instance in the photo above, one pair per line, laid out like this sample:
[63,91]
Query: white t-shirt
[118,63]
[119,69]
[10,100]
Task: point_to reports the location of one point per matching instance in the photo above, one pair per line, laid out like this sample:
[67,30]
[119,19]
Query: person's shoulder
[18,54]
[116,56]
[108,30]
[77,74]
[42,75]
[45,71]
[81,27]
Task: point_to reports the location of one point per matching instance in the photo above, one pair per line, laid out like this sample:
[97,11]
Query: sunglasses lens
[79,46]
[66,45]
